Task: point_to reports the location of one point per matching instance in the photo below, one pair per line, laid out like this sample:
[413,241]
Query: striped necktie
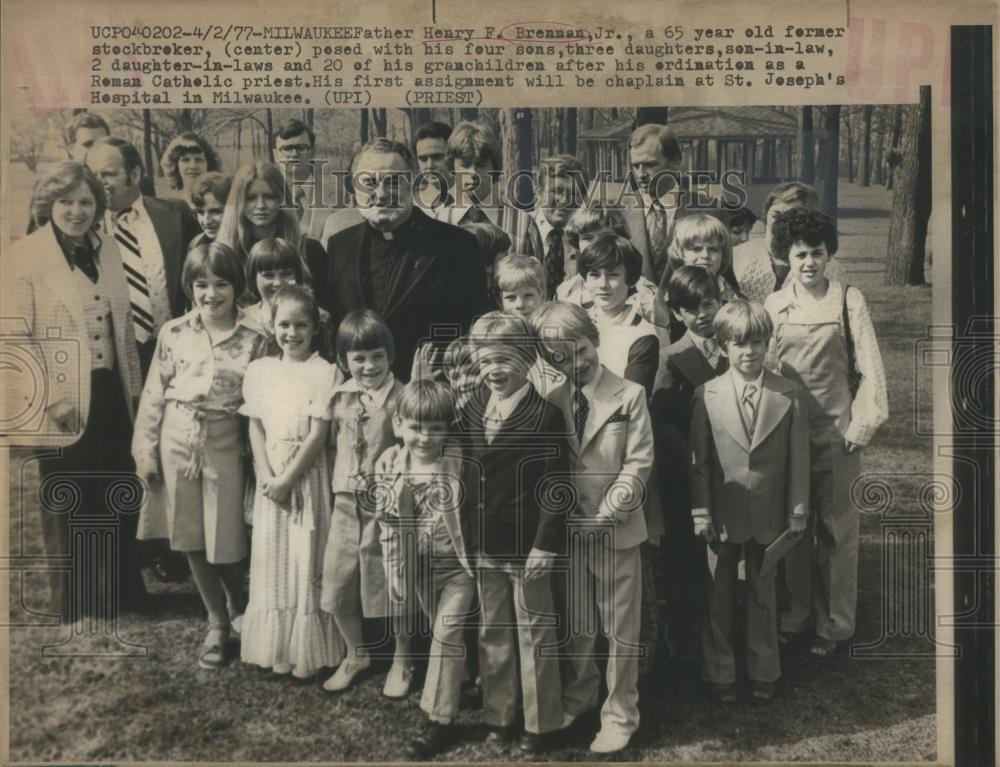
[656,230]
[135,275]
[750,408]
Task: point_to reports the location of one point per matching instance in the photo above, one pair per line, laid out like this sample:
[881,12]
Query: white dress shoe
[345,674]
[397,683]
[609,741]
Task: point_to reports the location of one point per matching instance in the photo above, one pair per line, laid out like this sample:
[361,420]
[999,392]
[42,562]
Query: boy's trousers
[518,623]
[718,654]
[605,593]
[446,597]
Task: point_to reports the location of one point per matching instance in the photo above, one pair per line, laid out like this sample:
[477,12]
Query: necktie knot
[711,348]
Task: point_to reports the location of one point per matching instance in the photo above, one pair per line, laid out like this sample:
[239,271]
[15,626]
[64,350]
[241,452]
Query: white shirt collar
[379,395]
[500,409]
[544,227]
[740,384]
[626,318]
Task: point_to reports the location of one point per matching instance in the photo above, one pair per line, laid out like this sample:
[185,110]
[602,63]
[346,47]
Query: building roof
[731,123]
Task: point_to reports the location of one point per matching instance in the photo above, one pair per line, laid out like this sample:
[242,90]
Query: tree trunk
[310,118]
[469,113]
[877,161]
[270,134]
[866,148]
[516,140]
[185,121]
[850,148]
[570,126]
[422,116]
[805,169]
[831,159]
[897,129]
[645,115]
[364,126]
[558,136]
[767,157]
[911,199]
[147,140]
[380,123]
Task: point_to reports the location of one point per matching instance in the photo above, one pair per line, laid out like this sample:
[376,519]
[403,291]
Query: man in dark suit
[541,232]
[654,161]
[419,274]
[152,235]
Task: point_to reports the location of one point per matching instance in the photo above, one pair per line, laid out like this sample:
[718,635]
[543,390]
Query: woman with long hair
[261,205]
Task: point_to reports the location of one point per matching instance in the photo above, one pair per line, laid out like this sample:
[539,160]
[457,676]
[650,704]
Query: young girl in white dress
[288,401]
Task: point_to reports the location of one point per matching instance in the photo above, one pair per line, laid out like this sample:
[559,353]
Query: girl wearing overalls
[824,339]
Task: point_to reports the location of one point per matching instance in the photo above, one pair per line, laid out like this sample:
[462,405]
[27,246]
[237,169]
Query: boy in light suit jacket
[611,452]
[749,481]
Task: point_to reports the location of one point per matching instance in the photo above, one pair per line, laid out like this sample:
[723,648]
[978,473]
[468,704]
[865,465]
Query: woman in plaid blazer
[68,293]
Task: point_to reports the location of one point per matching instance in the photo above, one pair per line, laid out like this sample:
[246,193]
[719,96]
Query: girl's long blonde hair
[235,231]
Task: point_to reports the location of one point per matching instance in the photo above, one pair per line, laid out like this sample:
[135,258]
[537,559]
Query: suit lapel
[606,400]
[722,395]
[167,225]
[635,219]
[560,397]
[771,410]
[60,280]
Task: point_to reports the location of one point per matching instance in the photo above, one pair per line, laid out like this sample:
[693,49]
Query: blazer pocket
[612,436]
[619,417]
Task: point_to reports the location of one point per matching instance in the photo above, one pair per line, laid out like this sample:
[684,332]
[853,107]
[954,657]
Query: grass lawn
[162,707]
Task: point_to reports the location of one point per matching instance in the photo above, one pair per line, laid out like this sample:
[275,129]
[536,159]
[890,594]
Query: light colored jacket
[42,301]
[749,486]
[612,461]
